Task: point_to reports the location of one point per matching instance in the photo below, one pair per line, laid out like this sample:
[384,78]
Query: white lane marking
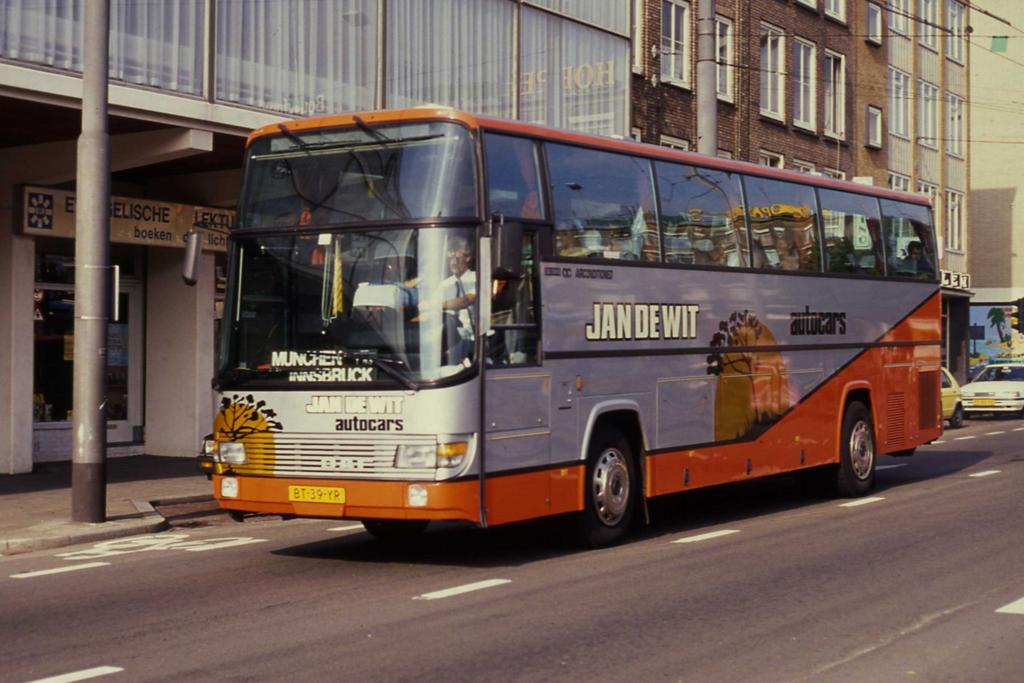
[82,675]
[1018,429]
[986,473]
[459,590]
[1001,431]
[862,501]
[351,527]
[59,570]
[964,438]
[939,441]
[704,537]
[1015,607]
[157,542]
[889,467]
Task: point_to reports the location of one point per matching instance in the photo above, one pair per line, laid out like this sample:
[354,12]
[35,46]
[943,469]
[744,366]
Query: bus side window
[513,316]
[782,225]
[852,229]
[909,239]
[701,215]
[513,182]
[604,204]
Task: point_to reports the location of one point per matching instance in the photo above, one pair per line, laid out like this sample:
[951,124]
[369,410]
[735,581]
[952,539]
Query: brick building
[866,90]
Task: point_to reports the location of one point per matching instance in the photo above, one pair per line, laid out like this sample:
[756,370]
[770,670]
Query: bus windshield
[355,175]
[389,305]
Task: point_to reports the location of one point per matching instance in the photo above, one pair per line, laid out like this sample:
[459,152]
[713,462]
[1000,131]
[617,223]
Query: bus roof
[437,112]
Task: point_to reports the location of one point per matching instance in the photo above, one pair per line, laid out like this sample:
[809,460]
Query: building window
[954,220]
[835,95]
[930,190]
[929,23]
[293,69]
[899,103]
[836,9]
[955,31]
[899,182]
[724,154]
[873,126]
[809,3]
[636,134]
[804,86]
[770,159]
[874,24]
[773,72]
[927,119]
[675,42]
[899,15]
[833,173]
[802,166]
[723,58]
[674,143]
[955,125]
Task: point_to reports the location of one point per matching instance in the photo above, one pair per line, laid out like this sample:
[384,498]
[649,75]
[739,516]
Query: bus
[432,315]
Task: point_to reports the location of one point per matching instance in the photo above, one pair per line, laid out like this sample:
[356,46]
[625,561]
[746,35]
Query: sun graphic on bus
[752,391]
[242,418]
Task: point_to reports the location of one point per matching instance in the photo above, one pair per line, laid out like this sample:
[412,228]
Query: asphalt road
[755,582]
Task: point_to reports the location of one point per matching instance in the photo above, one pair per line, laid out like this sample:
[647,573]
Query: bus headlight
[452,454]
[416,456]
[232,453]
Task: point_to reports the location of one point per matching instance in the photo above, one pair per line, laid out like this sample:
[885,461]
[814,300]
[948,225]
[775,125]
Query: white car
[999,388]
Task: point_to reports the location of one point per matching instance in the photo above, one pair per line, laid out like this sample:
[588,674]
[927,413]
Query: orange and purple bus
[432,315]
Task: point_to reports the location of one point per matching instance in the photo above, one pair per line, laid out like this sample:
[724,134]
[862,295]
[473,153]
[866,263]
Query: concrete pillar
[179,354]
[17,276]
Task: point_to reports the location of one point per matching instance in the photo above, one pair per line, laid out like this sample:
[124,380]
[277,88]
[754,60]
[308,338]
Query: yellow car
[952,405]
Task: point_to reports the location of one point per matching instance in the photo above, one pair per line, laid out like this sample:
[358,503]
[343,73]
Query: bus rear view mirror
[193,250]
[507,251]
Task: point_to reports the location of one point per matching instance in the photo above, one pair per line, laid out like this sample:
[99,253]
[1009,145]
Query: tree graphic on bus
[752,391]
[243,418]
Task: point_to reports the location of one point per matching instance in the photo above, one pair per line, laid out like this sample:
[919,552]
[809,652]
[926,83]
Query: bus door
[517,421]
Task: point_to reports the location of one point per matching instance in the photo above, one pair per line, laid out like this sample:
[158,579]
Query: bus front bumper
[349,499]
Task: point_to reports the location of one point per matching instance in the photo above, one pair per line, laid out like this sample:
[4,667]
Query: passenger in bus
[915,263]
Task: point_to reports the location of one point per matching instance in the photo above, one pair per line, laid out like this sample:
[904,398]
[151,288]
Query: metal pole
[92,273]
[707,89]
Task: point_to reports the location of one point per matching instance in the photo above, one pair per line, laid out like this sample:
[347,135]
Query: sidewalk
[35,509]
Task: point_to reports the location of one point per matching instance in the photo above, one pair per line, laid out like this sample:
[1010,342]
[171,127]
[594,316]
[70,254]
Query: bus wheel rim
[862,450]
[611,487]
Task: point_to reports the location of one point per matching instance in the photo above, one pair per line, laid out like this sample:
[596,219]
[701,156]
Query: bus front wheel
[611,489]
[855,474]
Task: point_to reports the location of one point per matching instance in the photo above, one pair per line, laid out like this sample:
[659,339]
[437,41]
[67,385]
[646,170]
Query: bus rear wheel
[855,474]
[395,529]
[611,489]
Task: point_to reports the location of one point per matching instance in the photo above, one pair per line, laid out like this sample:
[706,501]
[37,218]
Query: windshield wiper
[389,366]
[244,375]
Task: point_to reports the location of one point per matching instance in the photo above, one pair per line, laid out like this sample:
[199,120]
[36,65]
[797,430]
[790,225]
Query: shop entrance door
[124,368]
[54,371]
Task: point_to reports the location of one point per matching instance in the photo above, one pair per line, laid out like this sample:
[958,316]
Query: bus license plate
[316,494]
[984,401]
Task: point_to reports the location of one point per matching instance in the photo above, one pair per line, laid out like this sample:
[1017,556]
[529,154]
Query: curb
[47,536]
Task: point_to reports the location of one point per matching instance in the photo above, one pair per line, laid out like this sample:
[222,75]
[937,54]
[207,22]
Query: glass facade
[308,57]
[160,45]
